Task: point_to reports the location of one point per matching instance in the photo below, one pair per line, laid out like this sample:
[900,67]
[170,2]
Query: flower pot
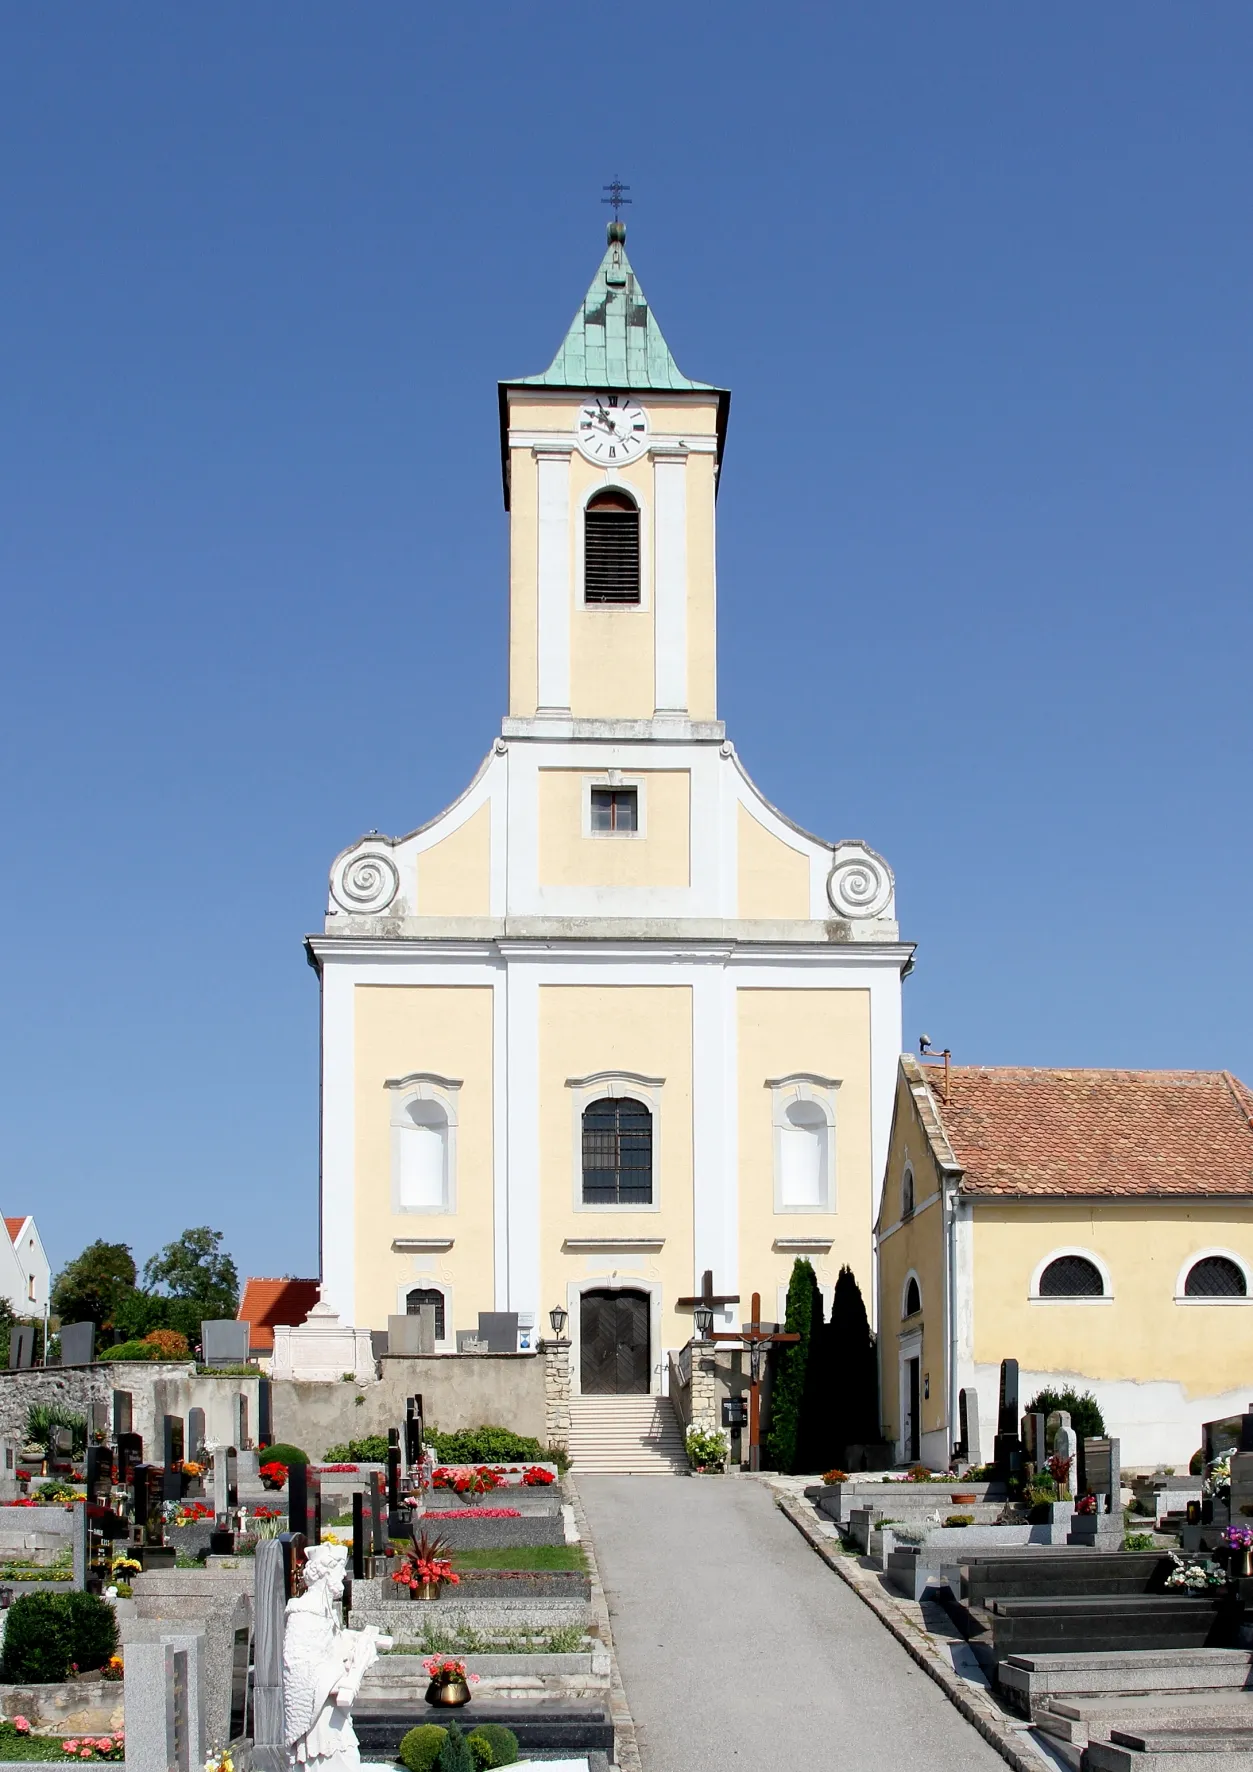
[1240,1563]
[426,1590]
[451,1693]
[956,1495]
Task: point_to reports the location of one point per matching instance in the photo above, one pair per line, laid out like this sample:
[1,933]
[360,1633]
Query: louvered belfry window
[611,549]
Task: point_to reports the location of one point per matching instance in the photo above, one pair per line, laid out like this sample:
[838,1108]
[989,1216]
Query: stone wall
[557,1388]
[157,1388]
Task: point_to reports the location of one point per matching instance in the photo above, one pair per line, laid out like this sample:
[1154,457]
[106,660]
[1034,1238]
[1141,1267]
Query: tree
[196,1269]
[815,1444]
[787,1393]
[1084,1410]
[89,1288]
[854,1388]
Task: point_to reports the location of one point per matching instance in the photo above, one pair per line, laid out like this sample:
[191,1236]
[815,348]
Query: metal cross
[615,197]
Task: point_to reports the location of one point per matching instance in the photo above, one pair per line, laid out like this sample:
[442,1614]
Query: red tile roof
[14,1227]
[1045,1133]
[267,1302]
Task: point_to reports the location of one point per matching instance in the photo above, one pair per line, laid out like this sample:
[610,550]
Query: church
[611,1019]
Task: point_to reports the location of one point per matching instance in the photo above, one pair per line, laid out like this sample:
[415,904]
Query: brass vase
[1240,1562]
[450,1692]
[427,1590]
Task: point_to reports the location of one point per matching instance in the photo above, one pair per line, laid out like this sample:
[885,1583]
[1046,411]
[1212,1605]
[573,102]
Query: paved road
[739,1647]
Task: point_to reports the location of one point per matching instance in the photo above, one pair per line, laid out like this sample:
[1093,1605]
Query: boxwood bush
[46,1635]
[483,1445]
[371,1450]
[492,1745]
[282,1453]
[419,1748]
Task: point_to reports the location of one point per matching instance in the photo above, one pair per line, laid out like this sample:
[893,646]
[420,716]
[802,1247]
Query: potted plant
[1239,1543]
[425,1569]
[273,1475]
[449,1682]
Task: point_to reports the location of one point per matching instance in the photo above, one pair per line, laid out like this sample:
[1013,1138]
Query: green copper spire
[614,341]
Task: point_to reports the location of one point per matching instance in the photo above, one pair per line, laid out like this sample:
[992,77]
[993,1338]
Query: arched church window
[907,1193]
[803,1155]
[427,1295]
[423,1178]
[913,1298]
[1215,1276]
[611,548]
[617,1153]
[1072,1276]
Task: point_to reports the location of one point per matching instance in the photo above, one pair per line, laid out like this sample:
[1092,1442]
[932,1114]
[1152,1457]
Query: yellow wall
[659,858]
[1143,1334]
[918,1245]
[454,877]
[773,878]
[647,1029]
[448,1030]
[826,1032]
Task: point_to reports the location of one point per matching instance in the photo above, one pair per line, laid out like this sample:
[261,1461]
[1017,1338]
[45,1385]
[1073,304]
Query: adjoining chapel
[611,1019]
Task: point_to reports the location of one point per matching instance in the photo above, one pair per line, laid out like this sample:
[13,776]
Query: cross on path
[707,1295]
[757,1339]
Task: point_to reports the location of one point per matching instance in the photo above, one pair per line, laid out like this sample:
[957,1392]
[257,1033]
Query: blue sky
[979,278]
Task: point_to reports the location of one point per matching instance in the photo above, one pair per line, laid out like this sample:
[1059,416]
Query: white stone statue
[323,1665]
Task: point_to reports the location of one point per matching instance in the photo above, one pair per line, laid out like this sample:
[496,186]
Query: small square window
[615,809]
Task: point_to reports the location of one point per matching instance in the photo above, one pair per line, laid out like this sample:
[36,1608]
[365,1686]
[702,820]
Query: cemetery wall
[157,1388]
[505,1390]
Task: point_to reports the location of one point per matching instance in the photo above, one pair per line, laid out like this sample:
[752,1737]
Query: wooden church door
[613,1343]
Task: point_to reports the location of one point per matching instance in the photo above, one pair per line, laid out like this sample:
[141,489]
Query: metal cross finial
[616,198]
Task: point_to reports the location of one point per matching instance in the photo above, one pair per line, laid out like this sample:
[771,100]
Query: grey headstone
[239,1421]
[121,1413]
[78,1344]
[98,1419]
[80,1548]
[195,1435]
[163,1689]
[1033,1441]
[224,1342]
[968,1410]
[1058,1419]
[379,1344]
[404,1335]
[499,1329]
[1242,1488]
[22,1345]
[225,1482]
[424,1316]
[1007,1417]
[1064,1447]
[269,1604]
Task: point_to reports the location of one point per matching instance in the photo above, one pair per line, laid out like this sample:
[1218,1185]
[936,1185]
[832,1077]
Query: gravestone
[379,1344]
[147,1482]
[224,1342]
[378,1531]
[359,1531]
[499,1329]
[968,1414]
[412,1334]
[60,1450]
[265,1414]
[1006,1449]
[1060,1418]
[195,1436]
[1099,1471]
[225,1481]
[1064,1447]
[239,1420]
[304,1502]
[22,1346]
[469,1341]
[122,1422]
[1242,1488]
[78,1344]
[172,1455]
[269,1604]
[130,1452]
[98,1420]
[81,1548]
[398,1517]
[413,1432]
[1233,1433]
[1033,1441]
[163,1686]
[98,1472]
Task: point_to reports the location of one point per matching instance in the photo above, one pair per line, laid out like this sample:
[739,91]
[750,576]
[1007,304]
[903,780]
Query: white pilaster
[670,581]
[522,1109]
[715,1191]
[338,1228]
[553,579]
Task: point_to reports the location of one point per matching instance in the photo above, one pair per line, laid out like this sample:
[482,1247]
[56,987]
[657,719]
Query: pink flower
[69,1747]
[22,1725]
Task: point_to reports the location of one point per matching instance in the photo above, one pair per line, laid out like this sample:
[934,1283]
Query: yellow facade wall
[826,1032]
[447,1030]
[660,857]
[455,876]
[917,1245]
[773,878]
[688,417]
[647,1029]
[1142,1334]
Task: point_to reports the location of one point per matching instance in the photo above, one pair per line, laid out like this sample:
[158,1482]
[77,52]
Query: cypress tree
[783,1439]
[815,1446]
[854,1386]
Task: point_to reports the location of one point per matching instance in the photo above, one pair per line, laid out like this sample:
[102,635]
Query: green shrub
[419,1749]
[492,1744]
[484,1445]
[454,1755]
[49,1494]
[1085,1412]
[371,1450]
[41,1418]
[709,1449]
[282,1454]
[130,1350]
[47,1634]
[557,1455]
[783,1437]
[1138,1541]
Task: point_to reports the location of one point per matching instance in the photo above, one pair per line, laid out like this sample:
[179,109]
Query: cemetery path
[738,1646]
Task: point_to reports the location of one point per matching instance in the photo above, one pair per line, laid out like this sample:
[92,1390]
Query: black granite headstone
[413,1432]
[265,1413]
[172,1446]
[121,1413]
[78,1343]
[377,1506]
[359,1552]
[1007,1417]
[397,1519]
[130,1452]
[304,1502]
[22,1346]
[98,1471]
[1034,1447]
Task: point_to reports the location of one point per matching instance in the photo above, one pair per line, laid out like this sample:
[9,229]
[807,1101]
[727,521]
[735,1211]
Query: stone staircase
[630,1436]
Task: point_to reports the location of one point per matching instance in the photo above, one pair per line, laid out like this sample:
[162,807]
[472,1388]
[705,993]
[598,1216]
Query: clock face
[611,429]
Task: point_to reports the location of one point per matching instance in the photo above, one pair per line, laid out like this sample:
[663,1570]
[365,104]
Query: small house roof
[1021,1132]
[265,1303]
[14,1227]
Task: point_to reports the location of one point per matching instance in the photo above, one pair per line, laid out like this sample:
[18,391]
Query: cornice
[606,944]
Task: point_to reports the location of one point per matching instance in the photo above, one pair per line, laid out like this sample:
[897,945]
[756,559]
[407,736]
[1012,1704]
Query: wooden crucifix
[707,1296]
[757,1339]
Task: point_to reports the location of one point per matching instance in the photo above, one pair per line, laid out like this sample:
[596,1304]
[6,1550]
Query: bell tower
[611,460]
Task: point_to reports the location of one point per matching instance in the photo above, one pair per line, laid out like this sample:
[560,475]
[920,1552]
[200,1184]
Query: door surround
[909,1347]
[616,1282]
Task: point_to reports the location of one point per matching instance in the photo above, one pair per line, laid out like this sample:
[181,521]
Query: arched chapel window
[907,1192]
[913,1298]
[423,1178]
[1072,1276]
[427,1295]
[1215,1276]
[611,548]
[617,1153]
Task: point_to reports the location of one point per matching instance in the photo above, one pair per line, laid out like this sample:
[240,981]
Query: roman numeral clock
[612,428]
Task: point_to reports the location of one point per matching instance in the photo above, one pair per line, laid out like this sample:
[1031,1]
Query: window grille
[615,809]
[1072,1276]
[1215,1277]
[427,1295]
[611,550]
[617,1153]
